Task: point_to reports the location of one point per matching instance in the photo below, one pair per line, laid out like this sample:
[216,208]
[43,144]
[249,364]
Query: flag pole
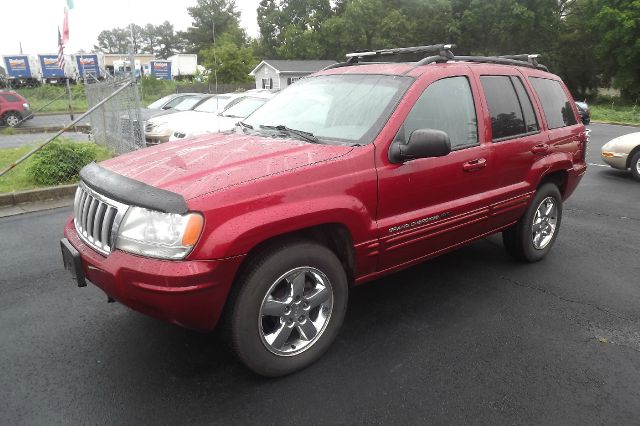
[70,99]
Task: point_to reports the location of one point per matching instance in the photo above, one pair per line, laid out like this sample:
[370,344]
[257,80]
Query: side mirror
[423,143]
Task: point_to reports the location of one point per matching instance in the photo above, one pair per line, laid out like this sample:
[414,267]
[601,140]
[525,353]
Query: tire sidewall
[9,115]
[245,314]
[531,253]
[634,165]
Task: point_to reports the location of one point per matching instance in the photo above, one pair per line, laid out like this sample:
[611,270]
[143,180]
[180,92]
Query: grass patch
[19,178]
[49,98]
[619,114]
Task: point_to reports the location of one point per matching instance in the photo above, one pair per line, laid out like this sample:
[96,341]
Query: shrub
[60,161]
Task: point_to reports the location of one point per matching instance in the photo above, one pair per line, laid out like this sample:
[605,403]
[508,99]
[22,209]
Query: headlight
[161,235]
[25,106]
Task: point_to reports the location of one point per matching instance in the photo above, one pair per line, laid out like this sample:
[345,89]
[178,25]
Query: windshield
[351,108]
[215,104]
[188,103]
[160,102]
[244,107]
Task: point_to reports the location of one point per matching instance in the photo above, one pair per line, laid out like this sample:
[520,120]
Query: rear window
[509,106]
[555,104]
[10,98]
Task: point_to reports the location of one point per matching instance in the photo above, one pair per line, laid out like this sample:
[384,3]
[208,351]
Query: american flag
[60,51]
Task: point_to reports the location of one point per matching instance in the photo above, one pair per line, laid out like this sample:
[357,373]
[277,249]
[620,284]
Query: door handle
[473,165]
[541,148]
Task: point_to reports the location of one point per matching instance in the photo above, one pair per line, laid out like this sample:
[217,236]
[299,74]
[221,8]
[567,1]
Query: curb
[45,114]
[33,195]
[615,123]
[83,128]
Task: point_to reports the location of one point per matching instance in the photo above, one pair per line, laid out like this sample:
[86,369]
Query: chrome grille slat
[97,221]
[105,235]
[90,217]
[95,217]
[85,213]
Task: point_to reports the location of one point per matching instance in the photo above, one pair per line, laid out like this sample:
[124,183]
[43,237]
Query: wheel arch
[335,236]
[558,178]
[633,152]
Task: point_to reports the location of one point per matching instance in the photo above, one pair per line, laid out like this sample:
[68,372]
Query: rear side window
[10,98]
[509,106]
[446,105]
[555,104]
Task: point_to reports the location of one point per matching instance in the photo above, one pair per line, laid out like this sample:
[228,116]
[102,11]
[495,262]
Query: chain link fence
[116,124]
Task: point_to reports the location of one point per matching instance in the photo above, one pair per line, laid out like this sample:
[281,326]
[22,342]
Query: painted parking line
[599,165]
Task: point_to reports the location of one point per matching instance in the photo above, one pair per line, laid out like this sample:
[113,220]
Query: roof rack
[442,54]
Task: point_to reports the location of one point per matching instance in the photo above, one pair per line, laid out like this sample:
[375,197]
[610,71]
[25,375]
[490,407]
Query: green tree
[113,41]
[206,14]
[618,26]
[231,63]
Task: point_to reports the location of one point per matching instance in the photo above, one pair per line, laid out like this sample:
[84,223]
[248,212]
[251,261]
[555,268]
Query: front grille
[96,218]
[148,126]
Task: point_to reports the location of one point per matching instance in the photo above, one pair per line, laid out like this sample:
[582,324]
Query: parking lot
[470,337]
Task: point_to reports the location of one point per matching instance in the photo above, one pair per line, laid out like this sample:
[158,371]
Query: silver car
[623,153]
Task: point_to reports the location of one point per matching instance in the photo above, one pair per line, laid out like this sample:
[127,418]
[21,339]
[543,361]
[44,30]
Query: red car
[351,174]
[14,109]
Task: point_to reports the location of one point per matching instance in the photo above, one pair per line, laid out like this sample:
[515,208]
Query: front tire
[12,119]
[532,237]
[635,165]
[288,308]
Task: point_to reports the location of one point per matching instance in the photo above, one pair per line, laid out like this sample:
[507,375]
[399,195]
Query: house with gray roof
[278,74]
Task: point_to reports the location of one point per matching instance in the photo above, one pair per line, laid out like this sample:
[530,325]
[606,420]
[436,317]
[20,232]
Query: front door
[432,204]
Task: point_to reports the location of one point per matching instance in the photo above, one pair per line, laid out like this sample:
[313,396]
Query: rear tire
[288,307]
[635,165]
[532,237]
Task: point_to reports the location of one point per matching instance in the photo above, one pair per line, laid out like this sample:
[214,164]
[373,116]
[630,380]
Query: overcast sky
[35,25]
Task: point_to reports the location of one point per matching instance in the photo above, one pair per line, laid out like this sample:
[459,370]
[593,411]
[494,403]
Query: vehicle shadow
[147,360]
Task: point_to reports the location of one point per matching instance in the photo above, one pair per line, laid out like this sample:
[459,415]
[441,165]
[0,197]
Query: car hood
[210,163]
[623,144]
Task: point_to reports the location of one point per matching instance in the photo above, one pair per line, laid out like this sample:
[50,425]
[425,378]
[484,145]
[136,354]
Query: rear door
[517,140]
[561,116]
[433,204]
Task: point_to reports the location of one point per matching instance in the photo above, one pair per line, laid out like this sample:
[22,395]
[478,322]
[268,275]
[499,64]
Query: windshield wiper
[245,125]
[307,136]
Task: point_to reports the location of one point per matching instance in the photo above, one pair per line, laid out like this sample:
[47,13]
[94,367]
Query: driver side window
[445,105]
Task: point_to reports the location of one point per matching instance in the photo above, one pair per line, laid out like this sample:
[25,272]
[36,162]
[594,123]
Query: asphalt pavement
[470,337]
[18,140]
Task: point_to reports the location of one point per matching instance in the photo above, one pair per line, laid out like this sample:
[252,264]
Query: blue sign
[49,65]
[88,65]
[17,66]
[161,70]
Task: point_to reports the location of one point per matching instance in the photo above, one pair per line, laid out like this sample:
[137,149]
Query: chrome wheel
[545,221]
[295,311]
[12,120]
[638,166]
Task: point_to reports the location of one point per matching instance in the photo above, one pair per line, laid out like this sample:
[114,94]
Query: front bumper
[26,114]
[615,160]
[188,293]
[155,138]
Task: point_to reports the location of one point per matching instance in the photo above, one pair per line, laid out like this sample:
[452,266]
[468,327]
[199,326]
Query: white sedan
[185,126]
[623,153]
[159,129]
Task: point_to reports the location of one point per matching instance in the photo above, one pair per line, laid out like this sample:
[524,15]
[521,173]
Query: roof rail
[442,54]
[441,49]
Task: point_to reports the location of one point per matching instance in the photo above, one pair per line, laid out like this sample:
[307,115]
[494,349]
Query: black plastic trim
[132,192]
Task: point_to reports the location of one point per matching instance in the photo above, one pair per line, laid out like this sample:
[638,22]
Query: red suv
[356,172]
[14,109]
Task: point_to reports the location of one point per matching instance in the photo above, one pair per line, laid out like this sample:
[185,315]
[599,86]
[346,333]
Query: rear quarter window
[555,104]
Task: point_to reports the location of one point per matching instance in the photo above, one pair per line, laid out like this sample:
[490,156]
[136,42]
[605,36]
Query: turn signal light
[193,230]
